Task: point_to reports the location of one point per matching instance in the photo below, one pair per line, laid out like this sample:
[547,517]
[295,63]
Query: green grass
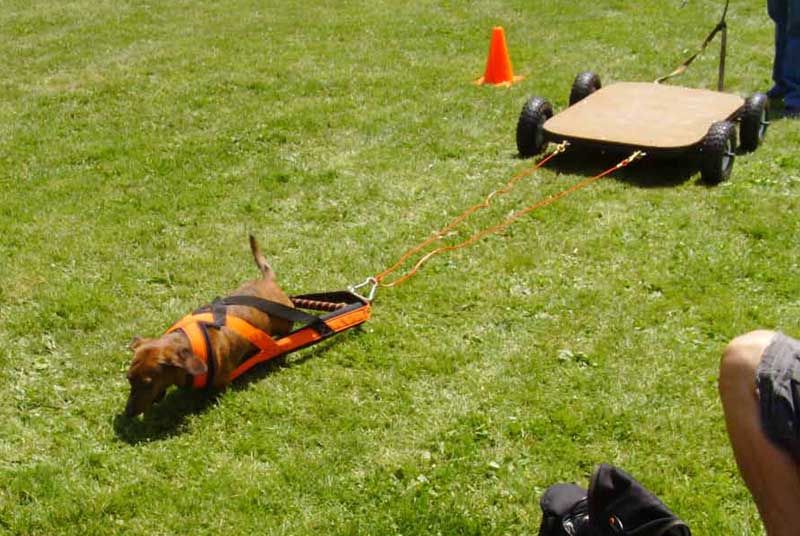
[141,142]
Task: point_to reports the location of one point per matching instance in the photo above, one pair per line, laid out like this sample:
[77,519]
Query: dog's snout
[130,408]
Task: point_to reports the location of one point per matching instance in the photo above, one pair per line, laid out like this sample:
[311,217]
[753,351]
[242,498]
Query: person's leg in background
[778,12]
[791,60]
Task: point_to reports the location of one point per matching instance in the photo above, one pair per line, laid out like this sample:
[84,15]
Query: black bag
[615,505]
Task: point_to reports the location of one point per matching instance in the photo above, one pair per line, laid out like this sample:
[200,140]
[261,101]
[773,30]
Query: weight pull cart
[663,120]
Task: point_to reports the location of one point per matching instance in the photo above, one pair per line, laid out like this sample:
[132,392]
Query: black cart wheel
[530,127]
[753,121]
[584,85]
[718,152]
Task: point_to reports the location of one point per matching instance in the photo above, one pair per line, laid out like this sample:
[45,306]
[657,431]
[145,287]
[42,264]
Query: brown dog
[168,360]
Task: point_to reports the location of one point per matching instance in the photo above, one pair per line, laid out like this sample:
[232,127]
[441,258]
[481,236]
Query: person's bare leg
[770,473]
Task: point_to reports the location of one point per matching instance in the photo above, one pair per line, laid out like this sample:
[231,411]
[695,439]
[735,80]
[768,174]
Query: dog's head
[158,364]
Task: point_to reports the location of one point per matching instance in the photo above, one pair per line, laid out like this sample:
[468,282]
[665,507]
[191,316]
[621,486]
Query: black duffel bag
[615,505]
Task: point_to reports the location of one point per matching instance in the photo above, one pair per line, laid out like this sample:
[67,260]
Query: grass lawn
[141,141]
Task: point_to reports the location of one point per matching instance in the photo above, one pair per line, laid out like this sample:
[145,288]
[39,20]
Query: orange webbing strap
[339,323]
[305,336]
[190,324]
[505,223]
[258,338]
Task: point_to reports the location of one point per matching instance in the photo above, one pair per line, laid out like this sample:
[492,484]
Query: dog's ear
[136,342]
[191,363]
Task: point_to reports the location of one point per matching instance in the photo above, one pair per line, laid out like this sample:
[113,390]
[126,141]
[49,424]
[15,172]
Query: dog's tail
[261,261]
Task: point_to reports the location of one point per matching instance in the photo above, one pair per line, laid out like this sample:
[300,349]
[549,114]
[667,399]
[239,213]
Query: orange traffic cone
[498,66]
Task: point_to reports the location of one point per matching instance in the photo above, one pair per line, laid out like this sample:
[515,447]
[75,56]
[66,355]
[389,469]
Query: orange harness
[348,310]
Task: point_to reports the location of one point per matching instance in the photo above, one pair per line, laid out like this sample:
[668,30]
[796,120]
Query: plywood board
[644,115]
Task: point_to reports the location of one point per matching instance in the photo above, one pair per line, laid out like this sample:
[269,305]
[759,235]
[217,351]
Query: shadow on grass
[652,171]
[167,419]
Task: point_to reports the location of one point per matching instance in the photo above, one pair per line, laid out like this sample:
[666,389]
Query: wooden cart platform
[644,115]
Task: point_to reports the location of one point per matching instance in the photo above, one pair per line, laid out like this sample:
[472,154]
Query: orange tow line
[379,278]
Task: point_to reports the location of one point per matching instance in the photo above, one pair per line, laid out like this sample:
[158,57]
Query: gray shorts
[778,382]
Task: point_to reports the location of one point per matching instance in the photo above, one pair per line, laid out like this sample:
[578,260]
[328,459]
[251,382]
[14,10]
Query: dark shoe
[776,93]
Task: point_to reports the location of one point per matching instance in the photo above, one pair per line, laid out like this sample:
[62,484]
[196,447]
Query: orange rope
[516,215]
[505,189]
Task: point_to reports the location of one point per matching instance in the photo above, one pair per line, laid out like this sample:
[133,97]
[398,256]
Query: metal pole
[722,49]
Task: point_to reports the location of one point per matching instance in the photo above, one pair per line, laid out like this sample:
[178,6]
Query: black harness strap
[211,361]
[278,310]
[218,310]
[721,26]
